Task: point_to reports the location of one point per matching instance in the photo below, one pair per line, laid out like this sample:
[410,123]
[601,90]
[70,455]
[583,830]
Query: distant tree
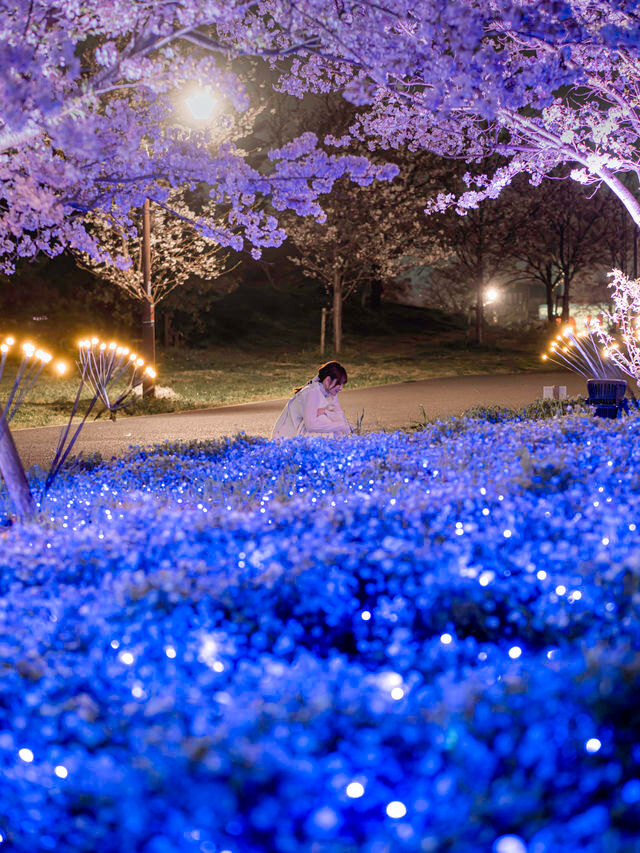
[557,234]
[563,232]
[178,251]
[338,252]
[366,237]
[364,230]
[472,248]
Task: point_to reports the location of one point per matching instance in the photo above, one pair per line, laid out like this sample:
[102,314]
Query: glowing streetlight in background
[201,104]
[491,294]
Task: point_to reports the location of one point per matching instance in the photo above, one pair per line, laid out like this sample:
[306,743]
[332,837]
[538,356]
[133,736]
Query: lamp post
[148,311]
[201,105]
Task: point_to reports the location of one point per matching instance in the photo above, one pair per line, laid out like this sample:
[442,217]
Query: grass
[404,345]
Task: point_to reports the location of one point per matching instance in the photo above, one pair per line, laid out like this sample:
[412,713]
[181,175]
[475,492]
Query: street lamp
[201,104]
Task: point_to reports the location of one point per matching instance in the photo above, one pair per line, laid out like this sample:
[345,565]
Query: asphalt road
[385,406]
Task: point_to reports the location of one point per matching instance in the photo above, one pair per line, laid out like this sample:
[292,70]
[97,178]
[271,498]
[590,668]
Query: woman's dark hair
[332,369]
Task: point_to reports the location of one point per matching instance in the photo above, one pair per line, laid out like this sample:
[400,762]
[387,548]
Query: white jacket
[300,415]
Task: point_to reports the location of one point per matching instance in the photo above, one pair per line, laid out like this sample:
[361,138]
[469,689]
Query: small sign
[554,392]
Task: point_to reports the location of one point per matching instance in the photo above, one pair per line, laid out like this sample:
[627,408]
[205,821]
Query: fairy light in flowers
[33,360]
[396,809]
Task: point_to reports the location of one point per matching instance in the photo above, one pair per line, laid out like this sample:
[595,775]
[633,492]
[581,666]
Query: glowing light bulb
[61,368]
[355,790]
[10,341]
[112,345]
[396,809]
[139,362]
[150,372]
[201,104]
[94,341]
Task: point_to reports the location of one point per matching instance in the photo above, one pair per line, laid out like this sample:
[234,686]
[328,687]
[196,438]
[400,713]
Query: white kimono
[300,415]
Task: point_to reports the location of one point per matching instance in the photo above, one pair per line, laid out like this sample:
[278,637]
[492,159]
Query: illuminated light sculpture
[602,366]
[31,364]
[582,353]
[112,377]
[108,370]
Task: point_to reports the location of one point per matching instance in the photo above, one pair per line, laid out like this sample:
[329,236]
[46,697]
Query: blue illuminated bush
[203,647]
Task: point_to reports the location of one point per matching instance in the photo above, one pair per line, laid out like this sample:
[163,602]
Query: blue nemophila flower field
[423,642]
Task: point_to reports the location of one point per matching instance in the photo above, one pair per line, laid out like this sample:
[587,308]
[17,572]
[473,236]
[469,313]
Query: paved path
[385,406]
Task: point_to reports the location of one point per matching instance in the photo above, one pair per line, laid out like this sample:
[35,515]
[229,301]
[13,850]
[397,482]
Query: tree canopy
[92,98]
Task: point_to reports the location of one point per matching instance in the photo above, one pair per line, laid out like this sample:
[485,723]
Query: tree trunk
[14,476]
[548,287]
[148,310]
[566,280]
[480,284]
[323,330]
[375,299]
[337,313]
[480,310]
[550,311]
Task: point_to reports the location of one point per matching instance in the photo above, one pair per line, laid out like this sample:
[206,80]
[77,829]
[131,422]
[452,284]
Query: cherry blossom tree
[542,83]
[562,233]
[370,235]
[92,94]
[178,251]
[93,118]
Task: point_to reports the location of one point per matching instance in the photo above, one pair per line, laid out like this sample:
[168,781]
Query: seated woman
[314,408]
